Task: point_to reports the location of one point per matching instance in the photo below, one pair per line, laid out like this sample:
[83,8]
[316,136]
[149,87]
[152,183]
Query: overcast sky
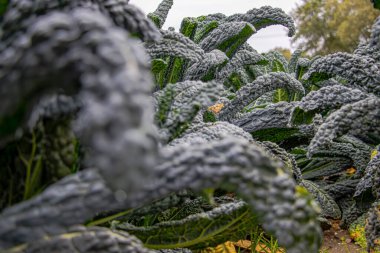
[263,40]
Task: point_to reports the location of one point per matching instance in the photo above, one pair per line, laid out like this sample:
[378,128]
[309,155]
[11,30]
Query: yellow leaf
[227,247]
[245,244]
[216,108]
[262,248]
[351,171]
[374,153]
[355,235]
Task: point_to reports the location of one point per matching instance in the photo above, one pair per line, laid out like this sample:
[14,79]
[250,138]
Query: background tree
[328,26]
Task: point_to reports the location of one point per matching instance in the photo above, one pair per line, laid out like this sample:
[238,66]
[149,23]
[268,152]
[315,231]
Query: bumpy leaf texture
[83,240]
[361,72]
[160,205]
[257,88]
[54,108]
[131,18]
[53,119]
[350,147]
[69,202]
[189,27]
[81,53]
[324,166]
[99,63]
[206,24]
[245,168]
[230,221]
[364,49]
[103,61]
[177,45]
[350,211]
[21,13]
[373,226]
[375,35]
[330,208]
[241,59]
[358,118]
[277,62]
[273,116]
[331,97]
[205,69]
[294,59]
[265,16]
[371,48]
[342,189]
[205,132]
[259,18]
[209,32]
[179,103]
[376,184]
[161,13]
[287,159]
[328,82]
[303,65]
[228,37]
[367,182]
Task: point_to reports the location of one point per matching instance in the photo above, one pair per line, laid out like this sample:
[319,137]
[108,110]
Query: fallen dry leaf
[260,248]
[351,171]
[216,108]
[227,247]
[245,244]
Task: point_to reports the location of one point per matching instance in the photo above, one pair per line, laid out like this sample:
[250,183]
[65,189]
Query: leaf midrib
[198,239]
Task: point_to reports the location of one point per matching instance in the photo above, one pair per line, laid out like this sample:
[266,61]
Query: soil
[337,240]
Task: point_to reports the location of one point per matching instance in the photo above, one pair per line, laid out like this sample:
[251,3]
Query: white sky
[264,40]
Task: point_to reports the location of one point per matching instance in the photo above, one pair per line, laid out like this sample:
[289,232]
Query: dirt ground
[336,240]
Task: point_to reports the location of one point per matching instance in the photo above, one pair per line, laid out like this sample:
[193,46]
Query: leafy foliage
[358,118]
[83,239]
[178,104]
[260,86]
[229,221]
[160,14]
[328,205]
[223,141]
[360,71]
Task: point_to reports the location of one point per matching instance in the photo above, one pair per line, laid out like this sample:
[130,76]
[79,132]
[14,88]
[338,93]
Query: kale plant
[119,136]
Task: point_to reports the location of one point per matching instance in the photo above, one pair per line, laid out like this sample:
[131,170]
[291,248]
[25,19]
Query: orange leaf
[245,244]
[216,108]
[227,247]
[351,171]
